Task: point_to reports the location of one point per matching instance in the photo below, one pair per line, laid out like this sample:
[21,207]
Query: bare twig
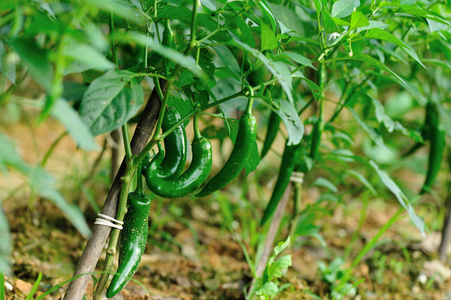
[100,233]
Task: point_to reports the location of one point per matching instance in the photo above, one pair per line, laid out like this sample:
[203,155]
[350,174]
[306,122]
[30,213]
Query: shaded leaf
[290,118]
[393,187]
[110,101]
[5,245]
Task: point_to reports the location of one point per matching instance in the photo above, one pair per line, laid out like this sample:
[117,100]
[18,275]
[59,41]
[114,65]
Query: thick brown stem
[95,245]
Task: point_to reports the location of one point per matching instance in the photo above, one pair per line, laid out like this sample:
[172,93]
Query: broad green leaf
[344,8]
[35,59]
[267,13]
[268,38]
[362,179]
[373,24]
[281,247]
[228,59]
[5,245]
[300,59]
[110,101]
[287,17]
[87,56]
[390,124]
[120,8]
[370,130]
[393,187]
[272,67]
[67,116]
[323,182]
[329,23]
[279,266]
[231,126]
[185,61]
[290,118]
[9,156]
[7,65]
[268,289]
[44,184]
[415,11]
[380,34]
[358,20]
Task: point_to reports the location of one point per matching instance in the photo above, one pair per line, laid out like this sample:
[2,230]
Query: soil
[192,253]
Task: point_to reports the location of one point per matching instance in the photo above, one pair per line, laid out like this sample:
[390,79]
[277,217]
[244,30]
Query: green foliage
[89,65]
[265,286]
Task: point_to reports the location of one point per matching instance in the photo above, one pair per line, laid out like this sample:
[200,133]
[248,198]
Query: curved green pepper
[438,144]
[245,139]
[132,240]
[271,133]
[191,179]
[175,144]
[290,158]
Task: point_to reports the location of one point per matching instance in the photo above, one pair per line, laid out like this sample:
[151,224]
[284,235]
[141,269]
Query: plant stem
[52,148]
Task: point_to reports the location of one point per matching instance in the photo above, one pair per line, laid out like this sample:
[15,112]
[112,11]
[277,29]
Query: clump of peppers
[191,179]
[133,238]
[173,162]
[245,139]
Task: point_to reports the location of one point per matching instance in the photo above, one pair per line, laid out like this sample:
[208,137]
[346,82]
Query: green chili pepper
[245,139]
[132,240]
[175,144]
[168,35]
[271,133]
[438,143]
[191,179]
[290,158]
[316,138]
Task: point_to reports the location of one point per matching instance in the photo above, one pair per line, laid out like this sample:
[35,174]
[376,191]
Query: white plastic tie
[108,221]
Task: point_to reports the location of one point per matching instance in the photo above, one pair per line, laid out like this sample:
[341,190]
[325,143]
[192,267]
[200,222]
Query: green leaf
[371,60]
[87,56]
[344,8]
[323,182]
[120,8]
[415,11]
[290,118]
[231,126]
[281,247]
[393,187]
[5,245]
[67,116]
[7,66]
[279,266]
[268,38]
[390,124]
[185,61]
[371,132]
[362,179]
[268,289]
[9,156]
[44,184]
[267,13]
[373,24]
[272,67]
[329,22]
[300,59]
[380,34]
[358,20]
[228,59]
[110,101]
[35,59]
[287,17]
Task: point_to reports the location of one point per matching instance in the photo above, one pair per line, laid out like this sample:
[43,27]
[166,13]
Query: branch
[95,245]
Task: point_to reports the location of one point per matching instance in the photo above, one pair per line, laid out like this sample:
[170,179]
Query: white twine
[108,221]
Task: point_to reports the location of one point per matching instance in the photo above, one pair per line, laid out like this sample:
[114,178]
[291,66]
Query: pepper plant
[313,66]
